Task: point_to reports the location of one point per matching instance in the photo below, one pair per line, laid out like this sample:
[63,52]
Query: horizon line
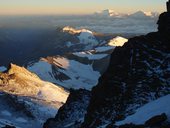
[74,14]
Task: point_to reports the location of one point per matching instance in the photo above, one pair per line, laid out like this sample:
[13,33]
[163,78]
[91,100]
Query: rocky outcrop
[72,113]
[168,6]
[164,24]
[156,120]
[138,73]
[159,121]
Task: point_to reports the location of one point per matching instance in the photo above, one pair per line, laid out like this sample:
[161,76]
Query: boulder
[156,120]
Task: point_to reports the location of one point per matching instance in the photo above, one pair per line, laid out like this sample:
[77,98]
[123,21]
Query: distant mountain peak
[144,14]
[72,30]
[112,13]
[107,12]
[84,36]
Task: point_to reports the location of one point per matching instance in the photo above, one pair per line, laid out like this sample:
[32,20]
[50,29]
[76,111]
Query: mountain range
[85,79]
[138,14]
[132,93]
[33,99]
[91,64]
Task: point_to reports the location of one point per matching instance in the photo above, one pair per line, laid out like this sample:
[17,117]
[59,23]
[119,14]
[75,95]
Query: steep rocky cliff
[72,113]
[139,72]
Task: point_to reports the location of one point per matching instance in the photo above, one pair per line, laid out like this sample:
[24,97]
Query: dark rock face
[138,73]
[168,6]
[164,24]
[72,113]
[130,126]
[8,126]
[156,120]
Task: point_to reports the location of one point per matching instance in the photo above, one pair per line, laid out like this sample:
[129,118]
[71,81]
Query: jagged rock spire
[168,6]
[164,21]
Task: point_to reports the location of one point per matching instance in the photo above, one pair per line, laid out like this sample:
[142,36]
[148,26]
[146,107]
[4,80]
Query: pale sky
[13,7]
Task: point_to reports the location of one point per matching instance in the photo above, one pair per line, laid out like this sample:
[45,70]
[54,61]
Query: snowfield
[75,73]
[80,75]
[149,110]
[43,70]
[90,56]
[104,48]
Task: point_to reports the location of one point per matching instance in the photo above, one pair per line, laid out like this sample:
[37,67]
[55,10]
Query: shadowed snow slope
[149,110]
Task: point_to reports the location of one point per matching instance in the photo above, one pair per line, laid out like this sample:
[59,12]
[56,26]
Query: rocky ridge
[26,99]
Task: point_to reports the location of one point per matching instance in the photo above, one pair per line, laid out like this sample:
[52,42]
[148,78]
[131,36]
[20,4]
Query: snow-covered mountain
[108,13]
[142,14]
[72,30]
[138,14]
[78,69]
[30,45]
[67,73]
[26,100]
[152,14]
[85,37]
